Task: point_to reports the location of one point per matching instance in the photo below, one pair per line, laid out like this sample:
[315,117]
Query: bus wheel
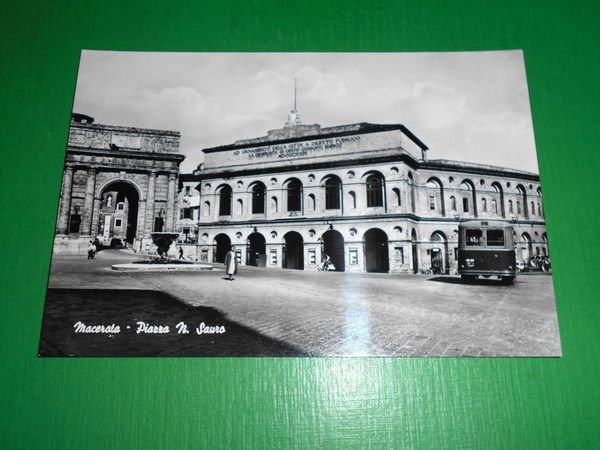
[468,278]
[508,280]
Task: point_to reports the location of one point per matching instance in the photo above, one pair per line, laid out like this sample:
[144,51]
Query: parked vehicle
[486,248]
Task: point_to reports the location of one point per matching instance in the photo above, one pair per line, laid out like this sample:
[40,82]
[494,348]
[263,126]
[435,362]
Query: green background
[297,403]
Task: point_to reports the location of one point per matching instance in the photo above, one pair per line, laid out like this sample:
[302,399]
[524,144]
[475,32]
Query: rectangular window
[188,190]
[455,253]
[518,207]
[465,204]
[74,223]
[204,255]
[353,256]
[121,206]
[118,223]
[473,237]
[495,238]
[187,213]
[432,202]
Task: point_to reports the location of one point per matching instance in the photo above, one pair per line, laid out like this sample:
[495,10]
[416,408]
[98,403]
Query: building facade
[365,195]
[119,185]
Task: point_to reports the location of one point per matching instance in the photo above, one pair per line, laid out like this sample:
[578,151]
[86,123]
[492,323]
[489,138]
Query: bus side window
[495,238]
[473,237]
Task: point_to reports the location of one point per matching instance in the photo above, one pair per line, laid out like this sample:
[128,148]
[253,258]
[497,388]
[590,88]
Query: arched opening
[256,250]
[523,196]
[118,215]
[374,190]
[469,198]
[411,186]
[294,195]
[376,251]
[222,245]
[293,251]
[500,198]
[225,194]
[333,246]
[413,246]
[435,193]
[526,247]
[397,197]
[258,198]
[440,262]
[333,192]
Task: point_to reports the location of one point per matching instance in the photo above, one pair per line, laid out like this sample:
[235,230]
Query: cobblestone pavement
[329,313]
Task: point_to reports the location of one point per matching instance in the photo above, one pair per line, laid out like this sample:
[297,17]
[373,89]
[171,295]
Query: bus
[486,248]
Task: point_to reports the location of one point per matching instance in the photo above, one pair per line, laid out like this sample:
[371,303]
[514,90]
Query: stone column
[88,204]
[64,211]
[95,215]
[171,192]
[150,202]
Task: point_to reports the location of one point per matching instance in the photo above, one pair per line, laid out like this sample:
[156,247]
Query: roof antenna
[293,116]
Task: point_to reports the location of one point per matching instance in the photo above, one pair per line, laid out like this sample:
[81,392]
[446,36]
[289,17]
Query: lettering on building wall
[295,149]
[124,141]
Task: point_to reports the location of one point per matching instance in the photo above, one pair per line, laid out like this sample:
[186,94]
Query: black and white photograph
[301,204]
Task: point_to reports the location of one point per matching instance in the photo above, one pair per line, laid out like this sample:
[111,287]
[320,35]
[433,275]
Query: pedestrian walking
[180,252]
[230,263]
[91,250]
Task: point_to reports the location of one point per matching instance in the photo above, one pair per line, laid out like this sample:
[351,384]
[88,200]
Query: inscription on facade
[295,149]
[121,140]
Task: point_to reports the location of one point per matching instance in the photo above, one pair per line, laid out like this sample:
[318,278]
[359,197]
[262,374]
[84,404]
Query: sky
[465,106]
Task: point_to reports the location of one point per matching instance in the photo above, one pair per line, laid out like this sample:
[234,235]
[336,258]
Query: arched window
[374,191]
[453,202]
[510,207]
[206,209]
[494,206]
[523,194]
[274,207]
[469,197]
[411,183]
[484,204]
[240,207]
[294,195]
[258,199]
[333,187]
[532,209]
[518,207]
[225,201]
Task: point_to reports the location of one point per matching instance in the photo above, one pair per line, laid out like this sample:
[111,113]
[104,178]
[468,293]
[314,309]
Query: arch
[532,208]
[527,246]
[376,251]
[312,202]
[435,184]
[225,195]
[545,248]
[352,195]
[523,193]
[411,186]
[239,207]
[333,192]
[118,225]
[453,203]
[484,204]
[293,251]
[511,209]
[414,250]
[256,250]
[440,261]
[258,191]
[500,193]
[397,197]
[206,209]
[374,183]
[333,246]
[293,186]
[469,199]
[274,205]
[222,244]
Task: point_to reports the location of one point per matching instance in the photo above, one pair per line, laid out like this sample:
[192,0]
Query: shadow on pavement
[475,282]
[123,308]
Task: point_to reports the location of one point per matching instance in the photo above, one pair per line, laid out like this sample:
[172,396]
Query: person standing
[230,263]
[91,250]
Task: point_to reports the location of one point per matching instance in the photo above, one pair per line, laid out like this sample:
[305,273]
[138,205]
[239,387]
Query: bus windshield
[495,238]
[473,237]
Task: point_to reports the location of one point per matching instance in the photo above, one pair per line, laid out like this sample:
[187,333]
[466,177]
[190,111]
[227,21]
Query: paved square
[338,314]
